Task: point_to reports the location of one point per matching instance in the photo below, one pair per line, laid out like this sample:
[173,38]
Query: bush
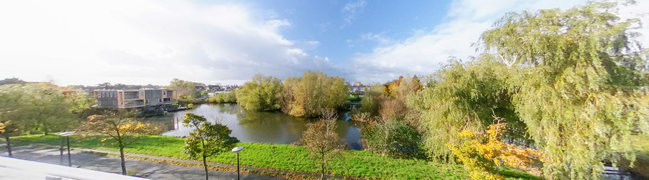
[393,138]
[482,154]
[227,97]
[354,98]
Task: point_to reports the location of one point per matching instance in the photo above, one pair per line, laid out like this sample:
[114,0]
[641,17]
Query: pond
[257,127]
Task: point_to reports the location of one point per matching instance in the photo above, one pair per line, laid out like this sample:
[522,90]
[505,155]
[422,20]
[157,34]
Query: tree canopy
[260,94]
[577,83]
[206,139]
[308,95]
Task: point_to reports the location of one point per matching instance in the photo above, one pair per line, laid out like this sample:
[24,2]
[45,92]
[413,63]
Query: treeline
[305,96]
[42,107]
[226,97]
[571,86]
[32,108]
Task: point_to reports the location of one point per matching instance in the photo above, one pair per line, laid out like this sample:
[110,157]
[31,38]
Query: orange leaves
[481,153]
[93,117]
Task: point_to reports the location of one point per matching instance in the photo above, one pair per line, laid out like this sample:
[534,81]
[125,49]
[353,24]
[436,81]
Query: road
[105,163]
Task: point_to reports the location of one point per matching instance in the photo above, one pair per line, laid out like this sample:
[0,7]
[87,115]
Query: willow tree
[260,94]
[578,85]
[466,97]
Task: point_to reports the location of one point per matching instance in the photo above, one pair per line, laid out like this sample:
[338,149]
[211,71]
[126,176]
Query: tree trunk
[121,155]
[8,145]
[322,166]
[205,165]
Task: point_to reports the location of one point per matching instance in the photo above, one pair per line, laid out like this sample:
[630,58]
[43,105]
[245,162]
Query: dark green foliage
[353,98]
[215,136]
[206,139]
[394,138]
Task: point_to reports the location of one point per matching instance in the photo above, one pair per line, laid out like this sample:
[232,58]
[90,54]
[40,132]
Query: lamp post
[237,150]
[67,138]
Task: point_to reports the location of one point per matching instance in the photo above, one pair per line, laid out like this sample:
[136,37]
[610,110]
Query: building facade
[133,98]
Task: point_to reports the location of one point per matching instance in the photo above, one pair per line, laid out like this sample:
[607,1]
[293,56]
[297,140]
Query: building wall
[114,99]
[107,99]
[153,97]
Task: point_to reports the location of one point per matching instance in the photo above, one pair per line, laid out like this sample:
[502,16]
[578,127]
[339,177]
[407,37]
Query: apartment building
[133,98]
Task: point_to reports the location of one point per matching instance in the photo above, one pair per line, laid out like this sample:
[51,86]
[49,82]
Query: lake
[257,127]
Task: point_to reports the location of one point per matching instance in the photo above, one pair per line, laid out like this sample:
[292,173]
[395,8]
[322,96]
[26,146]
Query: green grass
[287,157]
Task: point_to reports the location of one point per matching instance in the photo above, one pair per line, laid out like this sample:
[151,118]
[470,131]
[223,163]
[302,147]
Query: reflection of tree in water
[271,127]
[227,108]
[252,126]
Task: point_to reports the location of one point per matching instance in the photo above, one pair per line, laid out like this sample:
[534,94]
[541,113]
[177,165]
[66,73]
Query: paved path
[102,162]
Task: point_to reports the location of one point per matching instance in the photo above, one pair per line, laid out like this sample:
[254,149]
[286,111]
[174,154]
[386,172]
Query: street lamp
[67,138]
[237,150]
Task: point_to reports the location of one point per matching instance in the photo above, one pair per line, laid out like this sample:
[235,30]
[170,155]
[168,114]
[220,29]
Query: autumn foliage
[481,154]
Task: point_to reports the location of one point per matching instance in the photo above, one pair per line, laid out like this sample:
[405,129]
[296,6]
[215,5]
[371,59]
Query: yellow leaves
[2,127]
[467,134]
[481,158]
[137,127]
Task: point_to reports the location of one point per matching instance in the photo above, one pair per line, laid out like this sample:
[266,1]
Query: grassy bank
[287,157]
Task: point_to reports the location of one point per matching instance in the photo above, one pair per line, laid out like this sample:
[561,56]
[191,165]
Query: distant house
[214,88]
[133,98]
[201,87]
[357,88]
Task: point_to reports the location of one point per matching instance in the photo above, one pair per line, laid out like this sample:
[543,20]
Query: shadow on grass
[516,174]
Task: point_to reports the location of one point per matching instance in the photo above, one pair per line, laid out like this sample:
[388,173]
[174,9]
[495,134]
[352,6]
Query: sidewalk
[102,162]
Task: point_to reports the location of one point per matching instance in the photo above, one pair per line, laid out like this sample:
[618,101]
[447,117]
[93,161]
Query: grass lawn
[287,157]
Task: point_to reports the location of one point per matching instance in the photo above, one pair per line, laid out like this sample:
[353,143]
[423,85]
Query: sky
[87,42]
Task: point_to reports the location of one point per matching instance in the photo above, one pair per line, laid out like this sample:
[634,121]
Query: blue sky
[343,28]
[152,41]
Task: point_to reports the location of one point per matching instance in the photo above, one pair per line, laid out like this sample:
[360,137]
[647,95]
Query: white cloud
[425,52]
[141,42]
[351,9]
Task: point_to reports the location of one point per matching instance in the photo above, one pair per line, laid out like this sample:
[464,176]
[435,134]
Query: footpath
[146,166]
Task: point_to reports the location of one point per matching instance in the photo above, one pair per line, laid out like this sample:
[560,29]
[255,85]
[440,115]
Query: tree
[184,89]
[321,139]
[121,127]
[8,129]
[466,97]
[37,107]
[260,94]
[9,106]
[47,109]
[40,107]
[578,84]
[206,139]
[313,92]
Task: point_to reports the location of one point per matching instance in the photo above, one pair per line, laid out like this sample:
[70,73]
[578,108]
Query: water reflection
[259,127]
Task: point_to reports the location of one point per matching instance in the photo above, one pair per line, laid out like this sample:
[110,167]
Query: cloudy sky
[152,41]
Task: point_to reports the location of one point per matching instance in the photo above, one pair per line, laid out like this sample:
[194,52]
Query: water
[257,127]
